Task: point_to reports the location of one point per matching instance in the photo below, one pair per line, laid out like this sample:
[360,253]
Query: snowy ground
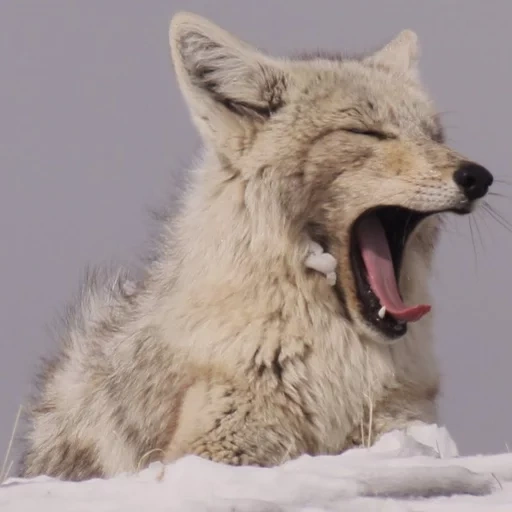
[417,470]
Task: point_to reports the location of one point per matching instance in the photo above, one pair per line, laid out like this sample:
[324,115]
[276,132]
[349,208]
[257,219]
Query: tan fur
[229,347]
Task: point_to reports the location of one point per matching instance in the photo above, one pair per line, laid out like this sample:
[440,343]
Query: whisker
[504,182]
[480,213]
[473,242]
[497,194]
[494,211]
[497,216]
[479,233]
[453,233]
[447,226]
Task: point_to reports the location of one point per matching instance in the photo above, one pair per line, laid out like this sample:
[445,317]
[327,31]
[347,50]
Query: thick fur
[229,347]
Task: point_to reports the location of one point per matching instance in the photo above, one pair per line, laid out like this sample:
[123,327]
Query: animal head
[349,151]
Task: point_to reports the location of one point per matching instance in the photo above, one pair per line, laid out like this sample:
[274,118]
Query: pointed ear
[401,54]
[222,77]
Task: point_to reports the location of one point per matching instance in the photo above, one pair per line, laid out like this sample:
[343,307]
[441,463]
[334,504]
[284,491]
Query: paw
[322,262]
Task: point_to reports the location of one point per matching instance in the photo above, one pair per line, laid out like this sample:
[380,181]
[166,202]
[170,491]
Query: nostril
[466,180]
[474,180]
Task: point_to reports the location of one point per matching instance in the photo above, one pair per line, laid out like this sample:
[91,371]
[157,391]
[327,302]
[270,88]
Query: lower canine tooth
[382,312]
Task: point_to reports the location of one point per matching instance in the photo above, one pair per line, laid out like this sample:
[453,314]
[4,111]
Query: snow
[413,470]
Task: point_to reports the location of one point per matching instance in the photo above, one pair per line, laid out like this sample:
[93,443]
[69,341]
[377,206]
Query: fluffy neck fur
[223,279]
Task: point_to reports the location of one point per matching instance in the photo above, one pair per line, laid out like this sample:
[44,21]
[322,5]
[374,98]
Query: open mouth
[379,237]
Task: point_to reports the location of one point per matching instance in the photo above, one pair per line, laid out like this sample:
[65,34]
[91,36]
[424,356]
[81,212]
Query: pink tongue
[381,275]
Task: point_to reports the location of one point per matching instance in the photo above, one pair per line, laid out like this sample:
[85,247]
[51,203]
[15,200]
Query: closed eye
[369,133]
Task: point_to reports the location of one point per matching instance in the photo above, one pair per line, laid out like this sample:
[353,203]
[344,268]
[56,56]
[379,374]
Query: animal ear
[222,76]
[401,54]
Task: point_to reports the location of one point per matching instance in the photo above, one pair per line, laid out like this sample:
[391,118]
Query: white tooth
[382,312]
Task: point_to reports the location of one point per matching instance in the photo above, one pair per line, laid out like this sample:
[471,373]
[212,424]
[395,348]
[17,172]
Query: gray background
[92,129]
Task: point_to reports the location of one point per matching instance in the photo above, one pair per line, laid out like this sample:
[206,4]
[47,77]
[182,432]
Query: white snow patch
[413,470]
[322,262]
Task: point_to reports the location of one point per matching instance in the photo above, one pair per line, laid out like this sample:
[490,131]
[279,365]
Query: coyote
[286,311]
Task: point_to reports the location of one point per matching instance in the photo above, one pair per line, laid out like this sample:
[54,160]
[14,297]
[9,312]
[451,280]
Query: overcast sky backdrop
[93,130]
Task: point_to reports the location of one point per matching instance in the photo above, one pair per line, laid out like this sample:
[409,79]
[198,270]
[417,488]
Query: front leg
[232,426]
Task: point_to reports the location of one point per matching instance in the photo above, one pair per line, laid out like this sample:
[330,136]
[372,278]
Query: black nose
[474,180]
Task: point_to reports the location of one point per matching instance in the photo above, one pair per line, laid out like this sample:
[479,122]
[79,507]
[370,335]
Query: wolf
[233,345]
